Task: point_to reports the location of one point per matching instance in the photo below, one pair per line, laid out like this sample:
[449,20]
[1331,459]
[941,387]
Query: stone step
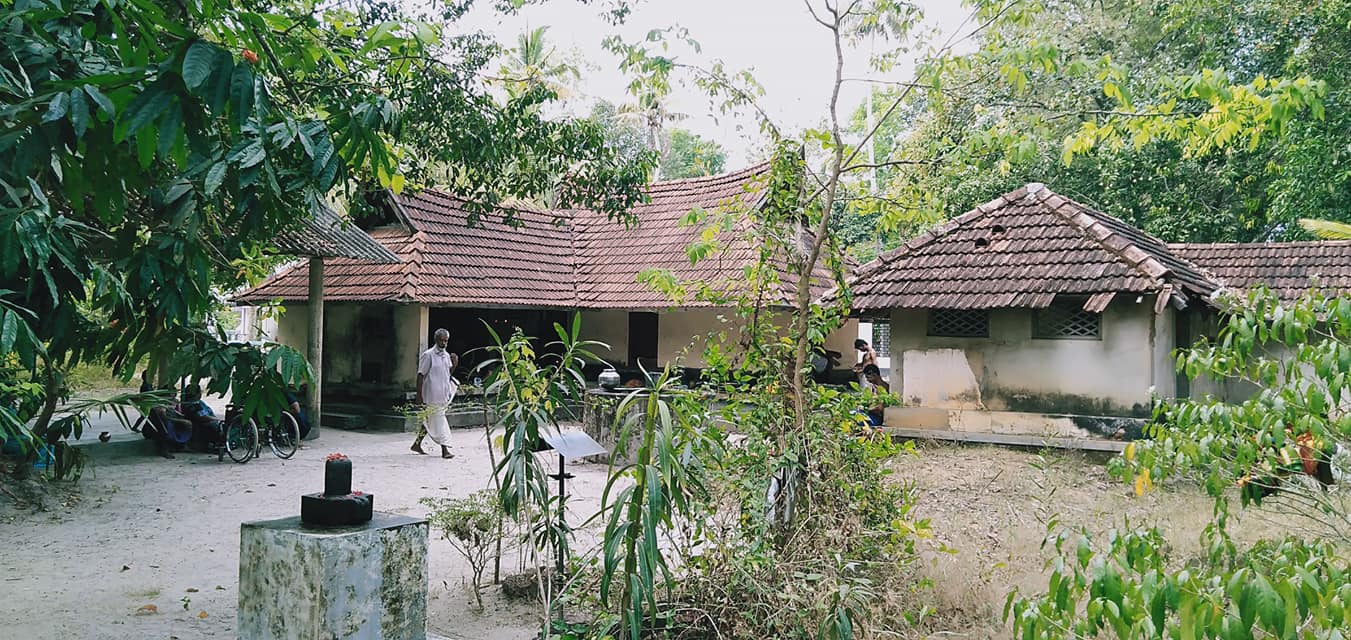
[396,422]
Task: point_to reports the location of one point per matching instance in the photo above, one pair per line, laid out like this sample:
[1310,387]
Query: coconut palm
[1327,229]
[535,62]
[651,114]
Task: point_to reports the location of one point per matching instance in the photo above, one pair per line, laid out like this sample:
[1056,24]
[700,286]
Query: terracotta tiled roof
[609,255]
[570,259]
[327,235]
[1021,250]
[1289,268]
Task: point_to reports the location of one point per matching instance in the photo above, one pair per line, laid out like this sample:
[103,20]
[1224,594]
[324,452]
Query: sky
[788,53]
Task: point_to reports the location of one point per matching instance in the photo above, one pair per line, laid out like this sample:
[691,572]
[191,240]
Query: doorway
[643,339]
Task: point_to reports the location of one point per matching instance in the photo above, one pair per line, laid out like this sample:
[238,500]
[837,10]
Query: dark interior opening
[375,330]
[470,336]
[643,340]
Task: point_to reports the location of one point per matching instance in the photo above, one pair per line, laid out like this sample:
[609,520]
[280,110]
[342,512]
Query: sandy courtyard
[140,530]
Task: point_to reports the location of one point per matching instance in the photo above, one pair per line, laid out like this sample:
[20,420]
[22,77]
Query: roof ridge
[1088,220]
[574,225]
[411,288]
[1264,243]
[729,176]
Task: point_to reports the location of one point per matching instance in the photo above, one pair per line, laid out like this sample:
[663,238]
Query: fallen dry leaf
[126,568]
[148,609]
[202,615]
[219,588]
[192,589]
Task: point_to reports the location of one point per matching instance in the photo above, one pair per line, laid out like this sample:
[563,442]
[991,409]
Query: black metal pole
[562,517]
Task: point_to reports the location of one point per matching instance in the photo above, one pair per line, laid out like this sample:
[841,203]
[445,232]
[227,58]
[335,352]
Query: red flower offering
[333,457]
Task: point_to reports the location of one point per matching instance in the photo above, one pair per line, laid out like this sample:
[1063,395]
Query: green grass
[97,377]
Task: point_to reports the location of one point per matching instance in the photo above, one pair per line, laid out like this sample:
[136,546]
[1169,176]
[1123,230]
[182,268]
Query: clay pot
[609,379]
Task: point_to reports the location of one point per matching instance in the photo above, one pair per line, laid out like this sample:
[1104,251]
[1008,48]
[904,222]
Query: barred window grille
[1067,321]
[882,337]
[959,323]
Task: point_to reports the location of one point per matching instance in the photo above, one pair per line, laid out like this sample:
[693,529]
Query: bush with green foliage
[1281,448]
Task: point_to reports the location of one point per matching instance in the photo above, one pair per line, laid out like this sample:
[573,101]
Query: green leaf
[79,112]
[198,64]
[145,148]
[1269,604]
[57,109]
[214,177]
[169,128]
[241,94]
[220,87]
[105,104]
[147,106]
[9,330]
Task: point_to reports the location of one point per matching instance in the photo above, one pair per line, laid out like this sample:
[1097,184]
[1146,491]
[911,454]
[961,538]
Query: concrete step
[469,418]
[123,444]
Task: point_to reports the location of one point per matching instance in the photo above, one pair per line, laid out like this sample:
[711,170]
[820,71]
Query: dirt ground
[139,530]
[142,531]
[992,504]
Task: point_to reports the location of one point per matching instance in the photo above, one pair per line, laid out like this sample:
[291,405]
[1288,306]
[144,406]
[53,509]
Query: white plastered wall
[611,328]
[682,334]
[1011,371]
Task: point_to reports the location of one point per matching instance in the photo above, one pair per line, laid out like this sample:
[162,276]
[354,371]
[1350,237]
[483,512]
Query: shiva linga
[338,505]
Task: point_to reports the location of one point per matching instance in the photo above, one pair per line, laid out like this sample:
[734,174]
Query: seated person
[162,425]
[207,429]
[293,405]
[874,378]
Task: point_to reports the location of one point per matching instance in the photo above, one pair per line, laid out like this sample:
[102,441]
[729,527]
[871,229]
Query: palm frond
[1327,229]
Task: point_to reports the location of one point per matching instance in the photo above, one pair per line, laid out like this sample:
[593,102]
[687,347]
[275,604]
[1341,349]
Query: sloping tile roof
[1289,268]
[567,259]
[609,254]
[1021,250]
[326,235]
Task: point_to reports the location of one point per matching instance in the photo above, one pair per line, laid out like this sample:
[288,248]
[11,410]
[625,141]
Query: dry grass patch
[991,506]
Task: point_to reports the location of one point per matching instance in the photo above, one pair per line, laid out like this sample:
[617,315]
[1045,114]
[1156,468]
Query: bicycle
[244,441]
[282,436]
[240,437]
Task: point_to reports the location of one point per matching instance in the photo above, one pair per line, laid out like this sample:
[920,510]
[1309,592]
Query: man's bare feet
[417,448]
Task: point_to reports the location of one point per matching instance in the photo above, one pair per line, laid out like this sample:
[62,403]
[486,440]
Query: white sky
[789,54]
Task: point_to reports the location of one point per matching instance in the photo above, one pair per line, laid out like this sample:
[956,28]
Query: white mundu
[438,389]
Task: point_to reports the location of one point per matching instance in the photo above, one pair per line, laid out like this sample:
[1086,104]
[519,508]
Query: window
[959,323]
[1066,321]
[882,337]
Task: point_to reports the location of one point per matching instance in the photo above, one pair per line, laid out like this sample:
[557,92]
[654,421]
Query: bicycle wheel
[241,439]
[284,436]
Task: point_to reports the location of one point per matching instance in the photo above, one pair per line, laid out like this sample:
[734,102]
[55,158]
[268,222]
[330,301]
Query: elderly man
[435,389]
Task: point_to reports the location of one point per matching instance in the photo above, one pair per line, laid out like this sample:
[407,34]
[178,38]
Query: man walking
[435,389]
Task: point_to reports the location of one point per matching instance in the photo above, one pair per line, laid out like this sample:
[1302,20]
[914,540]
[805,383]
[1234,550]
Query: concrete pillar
[367,581]
[315,343]
[412,323]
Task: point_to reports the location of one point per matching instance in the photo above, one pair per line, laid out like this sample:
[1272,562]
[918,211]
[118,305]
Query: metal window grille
[959,323]
[882,337]
[1067,321]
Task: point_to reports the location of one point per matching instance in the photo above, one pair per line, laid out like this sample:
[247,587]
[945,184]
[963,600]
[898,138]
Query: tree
[627,139]
[150,154]
[690,156]
[533,62]
[1285,447]
[1178,118]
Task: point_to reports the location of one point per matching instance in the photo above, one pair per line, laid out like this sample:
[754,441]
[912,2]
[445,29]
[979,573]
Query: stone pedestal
[365,581]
